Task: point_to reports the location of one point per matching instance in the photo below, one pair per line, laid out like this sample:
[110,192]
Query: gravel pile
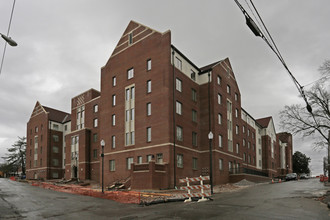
[244,182]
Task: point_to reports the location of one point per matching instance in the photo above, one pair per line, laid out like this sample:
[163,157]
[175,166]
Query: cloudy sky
[63,44]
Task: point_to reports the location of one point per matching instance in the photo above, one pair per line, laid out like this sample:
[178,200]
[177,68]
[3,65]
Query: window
[194,163]
[178,108]
[133,92]
[149,65]
[114,81]
[159,158]
[132,137]
[113,100]
[55,127]
[219,80]
[249,144]
[220,164]
[236,97]
[179,133]
[55,138]
[112,165]
[139,159]
[236,113]
[228,89]
[219,99]
[127,94]
[95,138]
[55,162]
[149,157]
[194,95]
[194,139]
[127,140]
[193,75]
[132,114]
[243,129]
[127,115]
[95,153]
[248,132]
[65,127]
[179,160]
[130,38]
[178,85]
[194,116]
[55,175]
[149,109]
[219,119]
[148,134]
[178,63]
[95,122]
[243,142]
[149,86]
[36,129]
[130,73]
[113,120]
[230,166]
[55,149]
[249,159]
[220,140]
[237,148]
[129,162]
[237,129]
[259,151]
[113,141]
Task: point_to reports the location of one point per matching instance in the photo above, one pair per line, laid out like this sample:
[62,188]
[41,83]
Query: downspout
[174,150]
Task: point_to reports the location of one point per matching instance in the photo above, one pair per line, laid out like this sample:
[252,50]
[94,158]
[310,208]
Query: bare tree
[16,156]
[296,119]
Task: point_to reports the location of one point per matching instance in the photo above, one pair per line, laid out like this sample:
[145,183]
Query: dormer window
[130,38]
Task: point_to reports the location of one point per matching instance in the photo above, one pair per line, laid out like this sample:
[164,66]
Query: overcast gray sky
[63,44]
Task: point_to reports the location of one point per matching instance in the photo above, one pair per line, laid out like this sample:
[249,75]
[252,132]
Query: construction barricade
[201,187]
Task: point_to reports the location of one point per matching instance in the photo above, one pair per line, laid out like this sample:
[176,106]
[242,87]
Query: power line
[256,30]
[4,50]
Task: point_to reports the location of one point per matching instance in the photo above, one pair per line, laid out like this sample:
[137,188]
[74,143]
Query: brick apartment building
[155,111]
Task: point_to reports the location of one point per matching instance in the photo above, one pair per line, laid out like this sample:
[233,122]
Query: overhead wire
[271,44]
[4,50]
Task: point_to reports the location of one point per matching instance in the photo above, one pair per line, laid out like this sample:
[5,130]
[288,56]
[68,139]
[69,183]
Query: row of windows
[159,159]
[219,81]
[130,73]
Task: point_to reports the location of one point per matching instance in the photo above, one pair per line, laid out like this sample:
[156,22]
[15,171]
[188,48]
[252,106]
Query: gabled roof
[57,116]
[210,66]
[264,122]
[54,115]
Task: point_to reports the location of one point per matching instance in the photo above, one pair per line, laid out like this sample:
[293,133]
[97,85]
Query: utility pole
[329,157]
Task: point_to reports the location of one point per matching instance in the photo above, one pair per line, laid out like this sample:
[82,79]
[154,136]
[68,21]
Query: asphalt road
[287,200]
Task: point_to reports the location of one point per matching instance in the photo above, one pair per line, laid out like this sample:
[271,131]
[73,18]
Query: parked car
[291,176]
[304,176]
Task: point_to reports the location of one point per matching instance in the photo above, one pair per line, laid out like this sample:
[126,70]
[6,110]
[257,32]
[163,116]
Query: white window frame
[148,108]
[112,165]
[149,86]
[178,108]
[113,121]
[130,73]
[95,122]
[148,134]
[148,64]
[178,85]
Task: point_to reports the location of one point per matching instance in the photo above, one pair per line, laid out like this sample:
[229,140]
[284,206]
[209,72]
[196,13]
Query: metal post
[329,157]
[210,135]
[102,155]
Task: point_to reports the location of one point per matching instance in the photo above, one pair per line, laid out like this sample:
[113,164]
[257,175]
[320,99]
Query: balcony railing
[245,170]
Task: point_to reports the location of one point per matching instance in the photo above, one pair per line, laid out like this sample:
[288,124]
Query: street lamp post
[210,135]
[102,155]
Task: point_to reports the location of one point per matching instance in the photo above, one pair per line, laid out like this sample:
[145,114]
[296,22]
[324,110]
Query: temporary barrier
[201,187]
